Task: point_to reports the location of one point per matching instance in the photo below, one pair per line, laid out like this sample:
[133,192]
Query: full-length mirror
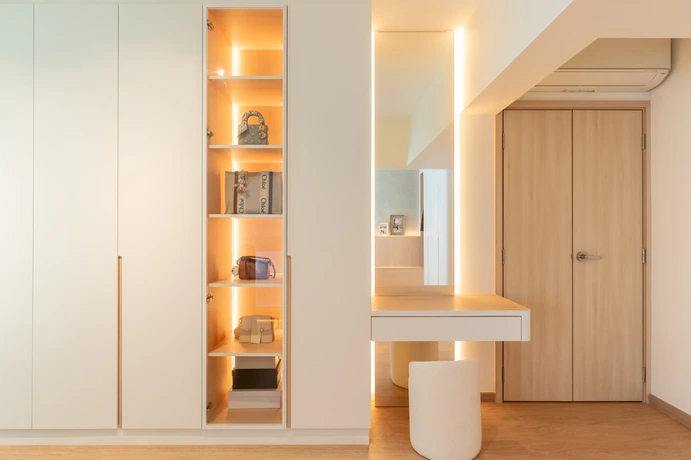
[413,162]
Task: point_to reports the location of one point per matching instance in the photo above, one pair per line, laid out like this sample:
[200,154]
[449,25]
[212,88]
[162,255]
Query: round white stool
[445,419]
[401,354]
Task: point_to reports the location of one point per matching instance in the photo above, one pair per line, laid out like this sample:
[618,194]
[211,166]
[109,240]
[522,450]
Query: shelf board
[253,91]
[230,346]
[245,216]
[242,147]
[244,77]
[250,418]
[268,154]
[236,282]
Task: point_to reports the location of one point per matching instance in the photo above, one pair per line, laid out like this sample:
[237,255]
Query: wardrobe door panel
[160,225]
[75,217]
[16,205]
[330,385]
[537,240]
[608,289]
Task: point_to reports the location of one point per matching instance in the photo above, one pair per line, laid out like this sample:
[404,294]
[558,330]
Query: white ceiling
[421,15]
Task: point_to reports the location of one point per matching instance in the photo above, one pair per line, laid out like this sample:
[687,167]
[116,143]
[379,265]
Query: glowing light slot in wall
[372,175]
[235,64]
[458,100]
[372,215]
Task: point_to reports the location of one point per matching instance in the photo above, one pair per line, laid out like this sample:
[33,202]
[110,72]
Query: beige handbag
[254,192]
[255,329]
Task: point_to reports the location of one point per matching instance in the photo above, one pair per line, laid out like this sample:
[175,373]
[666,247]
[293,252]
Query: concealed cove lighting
[458,99]
[372,217]
[235,65]
[372,166]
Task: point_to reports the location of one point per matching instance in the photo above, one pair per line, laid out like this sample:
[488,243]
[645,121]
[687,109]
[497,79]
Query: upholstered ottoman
[445,419]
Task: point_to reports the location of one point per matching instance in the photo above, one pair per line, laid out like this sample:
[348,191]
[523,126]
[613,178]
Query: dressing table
[439,318]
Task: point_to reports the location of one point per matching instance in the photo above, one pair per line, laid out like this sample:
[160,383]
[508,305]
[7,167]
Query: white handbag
[256,329]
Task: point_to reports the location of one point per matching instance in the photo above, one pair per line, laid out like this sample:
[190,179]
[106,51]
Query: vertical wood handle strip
[287,337]
[119,341]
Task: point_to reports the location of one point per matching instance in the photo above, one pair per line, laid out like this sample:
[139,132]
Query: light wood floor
[555,431]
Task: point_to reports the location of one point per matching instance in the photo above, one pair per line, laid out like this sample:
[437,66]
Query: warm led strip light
[234,63]
[372,223]
[458,99]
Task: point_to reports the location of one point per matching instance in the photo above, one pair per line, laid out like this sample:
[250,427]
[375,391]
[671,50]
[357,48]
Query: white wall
[477,226]
[670,254]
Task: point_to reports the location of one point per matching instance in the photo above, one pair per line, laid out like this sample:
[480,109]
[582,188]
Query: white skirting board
[183,437]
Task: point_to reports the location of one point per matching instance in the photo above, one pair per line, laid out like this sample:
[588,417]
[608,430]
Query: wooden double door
[573,253]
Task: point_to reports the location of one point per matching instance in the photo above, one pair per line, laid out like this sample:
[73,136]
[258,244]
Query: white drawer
[446,329]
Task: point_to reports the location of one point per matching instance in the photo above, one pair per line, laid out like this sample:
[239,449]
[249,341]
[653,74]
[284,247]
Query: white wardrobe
[101,217]
[16,214]
[80,86]
[75,203]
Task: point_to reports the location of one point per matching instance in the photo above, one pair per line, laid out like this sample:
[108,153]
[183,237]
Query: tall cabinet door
[160,225]
[608,277]
[537,240]
[16,204]
[75,217]
[322,165]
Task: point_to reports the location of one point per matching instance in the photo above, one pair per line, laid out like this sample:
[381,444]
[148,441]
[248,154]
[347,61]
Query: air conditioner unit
[613,65]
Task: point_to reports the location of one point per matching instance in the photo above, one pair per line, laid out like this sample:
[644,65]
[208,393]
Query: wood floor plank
[520,431]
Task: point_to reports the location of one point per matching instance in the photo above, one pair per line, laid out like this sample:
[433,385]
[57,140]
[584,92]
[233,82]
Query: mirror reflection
[413,162]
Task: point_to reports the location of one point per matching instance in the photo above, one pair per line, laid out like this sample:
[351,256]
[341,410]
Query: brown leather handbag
[254,268]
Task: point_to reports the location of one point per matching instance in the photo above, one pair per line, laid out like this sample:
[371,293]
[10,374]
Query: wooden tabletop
[447,305]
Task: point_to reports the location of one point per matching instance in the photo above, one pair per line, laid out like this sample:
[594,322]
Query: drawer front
[443,329]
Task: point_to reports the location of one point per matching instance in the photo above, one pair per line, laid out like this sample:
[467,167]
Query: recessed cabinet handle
[119,341]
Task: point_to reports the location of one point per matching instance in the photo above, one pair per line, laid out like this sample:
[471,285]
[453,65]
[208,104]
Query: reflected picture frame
[383,229]
[397,222]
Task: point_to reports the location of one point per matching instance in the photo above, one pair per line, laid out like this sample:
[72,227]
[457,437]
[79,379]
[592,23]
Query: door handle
[583,256]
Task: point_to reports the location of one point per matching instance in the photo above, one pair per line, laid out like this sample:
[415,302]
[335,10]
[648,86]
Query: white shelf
[222,417]
[237,146]
[245,216]
[230,346]
[253,154]
[236,282]
[244,77]
[245,418]
[250,91]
